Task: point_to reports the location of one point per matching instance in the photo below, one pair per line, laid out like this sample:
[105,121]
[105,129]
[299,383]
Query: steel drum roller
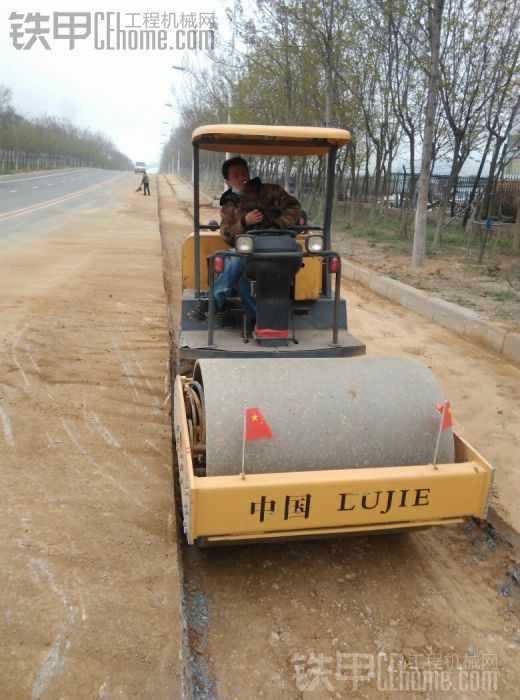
[324,414]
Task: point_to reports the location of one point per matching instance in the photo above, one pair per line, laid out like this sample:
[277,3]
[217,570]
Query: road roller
[287,429]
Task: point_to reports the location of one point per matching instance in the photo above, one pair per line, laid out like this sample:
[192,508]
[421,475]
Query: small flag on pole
[445,409]
[446,422]
[256,425]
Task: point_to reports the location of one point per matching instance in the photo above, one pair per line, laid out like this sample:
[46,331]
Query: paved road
[29,189]
[31,203]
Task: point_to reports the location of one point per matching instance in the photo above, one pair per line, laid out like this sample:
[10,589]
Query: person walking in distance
[145,184]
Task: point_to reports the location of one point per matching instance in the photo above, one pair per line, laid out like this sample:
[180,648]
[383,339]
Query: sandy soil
[293,620]
[88,558]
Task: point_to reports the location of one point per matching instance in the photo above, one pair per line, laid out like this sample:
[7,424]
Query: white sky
[120,92]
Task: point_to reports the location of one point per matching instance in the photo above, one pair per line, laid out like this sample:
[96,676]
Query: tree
[434,23]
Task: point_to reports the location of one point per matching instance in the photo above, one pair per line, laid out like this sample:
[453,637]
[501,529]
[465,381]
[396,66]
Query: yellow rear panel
[327,502]
[307,284]
[210,242]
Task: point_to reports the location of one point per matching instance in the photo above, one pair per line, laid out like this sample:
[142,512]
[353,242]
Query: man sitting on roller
[245,206]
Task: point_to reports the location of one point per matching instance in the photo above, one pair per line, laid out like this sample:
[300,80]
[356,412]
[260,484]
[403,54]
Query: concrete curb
[455,318]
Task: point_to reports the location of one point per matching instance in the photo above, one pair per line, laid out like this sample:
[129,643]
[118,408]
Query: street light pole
[185,70]
[233,35]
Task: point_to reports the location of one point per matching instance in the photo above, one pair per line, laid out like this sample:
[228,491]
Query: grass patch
[465,302]
[506,295]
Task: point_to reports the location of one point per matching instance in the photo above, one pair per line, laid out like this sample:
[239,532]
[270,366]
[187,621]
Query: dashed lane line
[53,202]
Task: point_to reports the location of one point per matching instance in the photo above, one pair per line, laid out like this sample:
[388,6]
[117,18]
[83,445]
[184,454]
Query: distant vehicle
[140,167]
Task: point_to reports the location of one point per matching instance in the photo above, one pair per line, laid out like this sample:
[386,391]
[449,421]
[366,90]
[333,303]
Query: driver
[245,206]
[249,204]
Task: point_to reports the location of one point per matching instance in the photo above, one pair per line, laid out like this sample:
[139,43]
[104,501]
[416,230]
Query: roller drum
[324,414]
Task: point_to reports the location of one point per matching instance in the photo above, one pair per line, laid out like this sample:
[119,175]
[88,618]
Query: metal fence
[467,190]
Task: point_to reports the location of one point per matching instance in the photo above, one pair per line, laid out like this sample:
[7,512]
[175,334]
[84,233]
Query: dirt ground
[88,558]
[370,616]
[492,289]
[92,586]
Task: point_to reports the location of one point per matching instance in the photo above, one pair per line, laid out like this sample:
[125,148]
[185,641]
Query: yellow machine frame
[320,503]
[270,506]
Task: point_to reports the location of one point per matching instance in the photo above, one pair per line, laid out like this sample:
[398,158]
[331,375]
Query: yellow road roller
[286,429]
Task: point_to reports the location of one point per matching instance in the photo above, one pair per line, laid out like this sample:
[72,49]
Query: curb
[464,322]
[461,321]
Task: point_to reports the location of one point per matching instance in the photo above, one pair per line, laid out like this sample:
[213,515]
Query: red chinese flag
[256,425]
[446,420]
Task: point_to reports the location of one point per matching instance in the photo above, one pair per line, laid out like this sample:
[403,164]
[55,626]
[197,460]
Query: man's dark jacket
[279,209]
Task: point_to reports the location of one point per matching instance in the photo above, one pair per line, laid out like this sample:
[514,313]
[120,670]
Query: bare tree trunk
[351,211]
[441,214]
[375,192]
[476,183]
[419,236]
[286,173]
[486,209]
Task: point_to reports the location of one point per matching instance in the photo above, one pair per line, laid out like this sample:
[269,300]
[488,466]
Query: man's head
[236,172]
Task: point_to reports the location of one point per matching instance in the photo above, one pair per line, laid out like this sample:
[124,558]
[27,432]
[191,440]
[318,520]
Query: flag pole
[243,473]
[444,407]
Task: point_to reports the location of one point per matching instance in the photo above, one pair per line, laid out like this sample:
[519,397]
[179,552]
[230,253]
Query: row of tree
[431,81]
[49,142]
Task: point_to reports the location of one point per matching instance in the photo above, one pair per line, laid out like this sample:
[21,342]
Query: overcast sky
[119,92]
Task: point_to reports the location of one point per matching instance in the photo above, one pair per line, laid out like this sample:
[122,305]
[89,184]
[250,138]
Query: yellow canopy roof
[269,140]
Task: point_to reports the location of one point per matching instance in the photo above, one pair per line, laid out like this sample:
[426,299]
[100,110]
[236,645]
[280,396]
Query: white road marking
[31,358]
[146,381]
[156,449]
[99,467]
[36,177]
[60,646]
[35,187]
[103,693]
[11,191]
[142,467]
[126,370]
[16,340]
[103,430]
[114,442]
[53,202]
[6,427]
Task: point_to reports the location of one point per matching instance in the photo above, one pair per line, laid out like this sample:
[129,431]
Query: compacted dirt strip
[88,557]
[422,615]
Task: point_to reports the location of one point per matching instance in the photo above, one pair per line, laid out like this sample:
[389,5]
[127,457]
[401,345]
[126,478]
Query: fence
[467,190]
